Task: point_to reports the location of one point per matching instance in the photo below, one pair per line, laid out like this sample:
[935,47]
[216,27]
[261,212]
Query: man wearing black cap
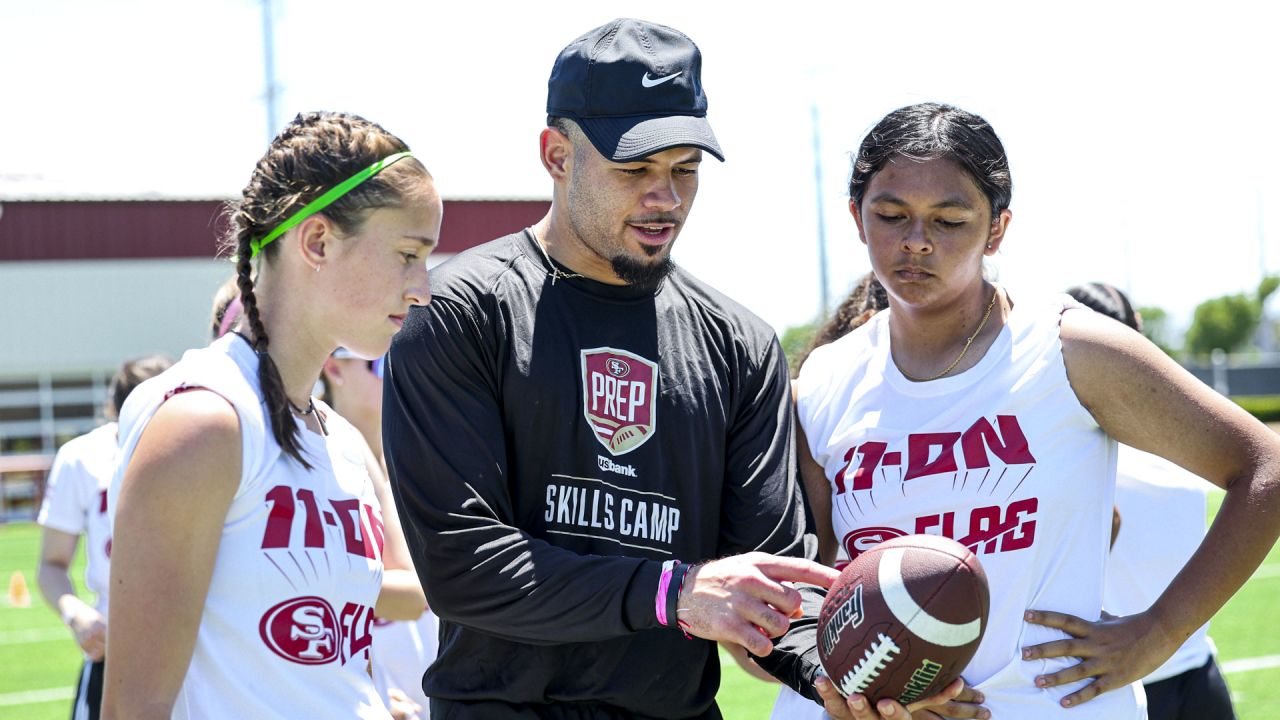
[577,428]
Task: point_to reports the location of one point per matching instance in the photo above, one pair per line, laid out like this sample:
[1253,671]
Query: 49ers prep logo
[302,630]
[619,390]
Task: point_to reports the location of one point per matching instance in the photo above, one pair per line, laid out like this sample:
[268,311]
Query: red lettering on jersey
[358,542]
[945,522]
[280,521]
[375,528]
[863,476]
[1024,531]
[313,533]
[977,443]
[990,529]
[102,501]
[1011,448]
[984,527]
[918,451]
[363,534]
[356,621]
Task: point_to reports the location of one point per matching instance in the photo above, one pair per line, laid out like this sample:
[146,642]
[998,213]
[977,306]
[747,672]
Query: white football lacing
[869,667]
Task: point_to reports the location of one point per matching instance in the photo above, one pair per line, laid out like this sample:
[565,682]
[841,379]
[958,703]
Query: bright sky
[1141,135]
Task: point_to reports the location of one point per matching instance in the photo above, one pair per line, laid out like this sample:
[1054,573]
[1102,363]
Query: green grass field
[40,661]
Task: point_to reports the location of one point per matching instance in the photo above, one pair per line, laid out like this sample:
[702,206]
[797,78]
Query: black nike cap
[635,89]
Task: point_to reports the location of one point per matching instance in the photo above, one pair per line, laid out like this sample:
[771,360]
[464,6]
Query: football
[903,619]
[627,437]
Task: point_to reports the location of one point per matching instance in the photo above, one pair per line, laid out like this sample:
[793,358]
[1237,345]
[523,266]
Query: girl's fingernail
[859,703]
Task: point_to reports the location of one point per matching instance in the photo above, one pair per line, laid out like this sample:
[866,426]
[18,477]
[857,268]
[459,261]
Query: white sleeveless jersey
[1002,458]
[75,501]
[285,630]
[402,650]
[1161,506]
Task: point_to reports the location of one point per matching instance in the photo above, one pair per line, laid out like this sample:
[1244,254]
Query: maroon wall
[110,229]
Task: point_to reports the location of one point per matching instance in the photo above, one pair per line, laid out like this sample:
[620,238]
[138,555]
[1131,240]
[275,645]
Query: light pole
[822,214]
[269,64]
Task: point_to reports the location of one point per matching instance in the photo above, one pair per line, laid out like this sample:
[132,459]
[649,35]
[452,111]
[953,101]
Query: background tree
[794,340]
[1155,325]
[1228,322]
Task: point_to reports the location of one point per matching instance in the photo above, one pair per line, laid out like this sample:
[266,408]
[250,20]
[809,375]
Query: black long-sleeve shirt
[551,444]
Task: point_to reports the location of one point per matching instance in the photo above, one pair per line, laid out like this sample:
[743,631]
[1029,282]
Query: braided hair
[312,154]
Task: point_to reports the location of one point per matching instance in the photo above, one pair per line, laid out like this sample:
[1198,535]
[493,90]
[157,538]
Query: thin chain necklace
[555,272]
[310,410]
[964,350]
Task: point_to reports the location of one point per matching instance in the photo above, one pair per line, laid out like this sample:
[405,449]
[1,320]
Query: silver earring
[988,247]
[318,267]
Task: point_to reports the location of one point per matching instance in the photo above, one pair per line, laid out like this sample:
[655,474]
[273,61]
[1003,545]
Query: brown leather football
[904,618]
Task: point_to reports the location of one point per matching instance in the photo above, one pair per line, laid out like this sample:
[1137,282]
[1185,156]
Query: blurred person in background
[250,543]
[75,504]
[227,308]
[1163,510]
[402,649]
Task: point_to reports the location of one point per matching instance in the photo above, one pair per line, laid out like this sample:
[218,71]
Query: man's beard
[638,272]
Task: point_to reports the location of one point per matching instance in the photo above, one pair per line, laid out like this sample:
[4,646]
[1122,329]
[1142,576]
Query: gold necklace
[964,350]
[555,272]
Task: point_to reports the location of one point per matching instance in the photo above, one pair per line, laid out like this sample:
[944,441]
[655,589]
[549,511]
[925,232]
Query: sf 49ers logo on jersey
[619,390]
[303,630]
[863,539]
[307,631]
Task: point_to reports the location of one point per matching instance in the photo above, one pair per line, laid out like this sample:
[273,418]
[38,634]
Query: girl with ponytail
[250,545]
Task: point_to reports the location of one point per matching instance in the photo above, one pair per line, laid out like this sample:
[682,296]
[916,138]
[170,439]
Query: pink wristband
[664,583]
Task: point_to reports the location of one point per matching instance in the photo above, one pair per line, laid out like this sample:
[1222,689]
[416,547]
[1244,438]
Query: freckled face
[927,227]
[382,272]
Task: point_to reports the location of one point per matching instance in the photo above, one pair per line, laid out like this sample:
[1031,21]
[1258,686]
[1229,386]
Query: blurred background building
[86,283]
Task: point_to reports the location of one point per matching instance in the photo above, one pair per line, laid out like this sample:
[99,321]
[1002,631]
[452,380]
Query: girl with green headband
[251,546]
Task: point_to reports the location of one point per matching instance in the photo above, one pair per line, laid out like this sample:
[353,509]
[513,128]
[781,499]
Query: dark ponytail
[1108,300]
[312,154]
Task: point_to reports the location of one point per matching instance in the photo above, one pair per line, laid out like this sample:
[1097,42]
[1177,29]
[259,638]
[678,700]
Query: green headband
[326,200]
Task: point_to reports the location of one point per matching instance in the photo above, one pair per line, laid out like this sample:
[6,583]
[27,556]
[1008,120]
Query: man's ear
[556,152]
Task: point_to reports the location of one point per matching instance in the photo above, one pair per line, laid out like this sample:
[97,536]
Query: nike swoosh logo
[653,82]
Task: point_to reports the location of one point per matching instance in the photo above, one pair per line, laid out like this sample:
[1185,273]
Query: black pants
[88,691]
[494,710]
[1199,694]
